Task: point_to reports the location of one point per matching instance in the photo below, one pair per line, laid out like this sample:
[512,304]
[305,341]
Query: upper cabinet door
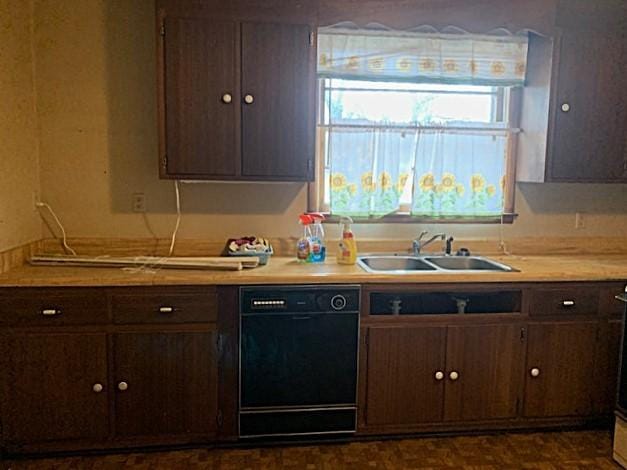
[200,104]
[590,114]
[278,93]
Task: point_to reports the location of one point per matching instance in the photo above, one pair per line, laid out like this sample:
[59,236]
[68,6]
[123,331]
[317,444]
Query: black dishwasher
[298,360]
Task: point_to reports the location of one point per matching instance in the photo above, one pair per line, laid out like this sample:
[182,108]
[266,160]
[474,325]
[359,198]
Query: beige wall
[19,173]
[96,96]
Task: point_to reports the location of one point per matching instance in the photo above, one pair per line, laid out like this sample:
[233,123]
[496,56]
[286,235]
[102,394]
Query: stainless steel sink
[467,263]
[405,264]
[394,263]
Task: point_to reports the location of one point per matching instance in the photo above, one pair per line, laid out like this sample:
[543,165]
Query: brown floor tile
[586,450]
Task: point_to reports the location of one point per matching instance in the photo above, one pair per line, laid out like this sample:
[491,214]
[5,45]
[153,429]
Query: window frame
[511,99]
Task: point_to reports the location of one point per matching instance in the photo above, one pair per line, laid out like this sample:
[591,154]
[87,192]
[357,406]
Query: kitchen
[85,96]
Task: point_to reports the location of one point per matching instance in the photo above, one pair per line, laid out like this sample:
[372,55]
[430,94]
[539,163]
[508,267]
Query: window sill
[408,219]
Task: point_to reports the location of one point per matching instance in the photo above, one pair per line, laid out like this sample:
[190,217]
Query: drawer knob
[227,98]
[249,99]
[439,375]
[565,107]
[454,375]
[535,372]
[50,312]
[97,388]
[568,303]
[166,309]
[122,386]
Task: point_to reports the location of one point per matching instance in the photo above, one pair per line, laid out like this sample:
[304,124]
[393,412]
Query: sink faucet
[418,244]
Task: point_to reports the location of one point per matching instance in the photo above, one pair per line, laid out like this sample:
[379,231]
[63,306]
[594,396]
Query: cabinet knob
[565,107]
[227,98]
[166,309]
[97,388]
[249,99]
[453,375]
[568,303]
[50,312]
[439,375]
[535,372]
[122,386]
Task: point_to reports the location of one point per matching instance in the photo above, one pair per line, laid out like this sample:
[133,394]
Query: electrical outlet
[139,202]
[35,200]
[579,221]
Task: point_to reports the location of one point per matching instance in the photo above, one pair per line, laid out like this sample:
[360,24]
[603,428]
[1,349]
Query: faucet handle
[449,245]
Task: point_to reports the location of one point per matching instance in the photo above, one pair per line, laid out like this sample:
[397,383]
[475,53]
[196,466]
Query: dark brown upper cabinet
[236,98]
[574,107]
[200,84]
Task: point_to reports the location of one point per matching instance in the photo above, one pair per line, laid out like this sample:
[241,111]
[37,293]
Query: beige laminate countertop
[288,271]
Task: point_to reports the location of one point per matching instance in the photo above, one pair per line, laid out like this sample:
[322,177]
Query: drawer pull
[50,312]
[166,309]
[568,303]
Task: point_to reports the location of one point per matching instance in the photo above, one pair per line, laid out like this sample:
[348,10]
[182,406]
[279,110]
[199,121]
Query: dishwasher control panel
[299,299]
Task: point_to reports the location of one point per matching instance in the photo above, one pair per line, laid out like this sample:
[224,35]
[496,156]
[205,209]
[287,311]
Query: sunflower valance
[453,58]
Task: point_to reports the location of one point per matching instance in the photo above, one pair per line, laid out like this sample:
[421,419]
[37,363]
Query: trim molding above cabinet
[236,96]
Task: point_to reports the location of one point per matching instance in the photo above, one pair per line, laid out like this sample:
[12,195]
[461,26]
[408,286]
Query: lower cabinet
[488,362]
[421,374]
[165,384]
[54,388]
[403,383]
[144,374]
[552,361]
[560,379]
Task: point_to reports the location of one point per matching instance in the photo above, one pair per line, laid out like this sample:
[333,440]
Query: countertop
[288,271]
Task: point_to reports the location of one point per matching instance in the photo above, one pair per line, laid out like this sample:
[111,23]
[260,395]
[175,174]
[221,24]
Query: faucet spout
[418,244]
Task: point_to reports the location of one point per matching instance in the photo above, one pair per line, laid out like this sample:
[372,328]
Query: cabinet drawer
[564,301]
[52,307]
[165,307]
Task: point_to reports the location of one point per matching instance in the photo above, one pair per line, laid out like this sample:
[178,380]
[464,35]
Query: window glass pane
[364,107]
[401,103]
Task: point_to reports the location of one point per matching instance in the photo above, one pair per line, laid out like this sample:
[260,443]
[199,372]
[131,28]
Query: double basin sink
[405,264]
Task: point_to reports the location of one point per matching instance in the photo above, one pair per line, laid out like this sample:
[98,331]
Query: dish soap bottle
[347,253]
[318,248]
[303,245]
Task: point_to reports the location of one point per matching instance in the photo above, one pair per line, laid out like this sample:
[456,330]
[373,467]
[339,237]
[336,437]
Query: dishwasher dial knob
[338,302]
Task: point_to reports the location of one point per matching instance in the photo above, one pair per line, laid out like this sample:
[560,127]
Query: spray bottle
[347,253]
[303,245]
[318,247]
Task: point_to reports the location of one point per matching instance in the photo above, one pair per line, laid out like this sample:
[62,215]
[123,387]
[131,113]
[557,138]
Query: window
[419,147]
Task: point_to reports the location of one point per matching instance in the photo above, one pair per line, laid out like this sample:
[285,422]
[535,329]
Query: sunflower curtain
[459,175]
[442,173]
[370,169]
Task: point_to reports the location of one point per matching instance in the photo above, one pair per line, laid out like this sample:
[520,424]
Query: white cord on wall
[56,219]
[178,217]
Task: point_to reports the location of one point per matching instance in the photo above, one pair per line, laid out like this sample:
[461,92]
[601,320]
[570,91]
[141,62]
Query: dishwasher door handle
[301,317]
